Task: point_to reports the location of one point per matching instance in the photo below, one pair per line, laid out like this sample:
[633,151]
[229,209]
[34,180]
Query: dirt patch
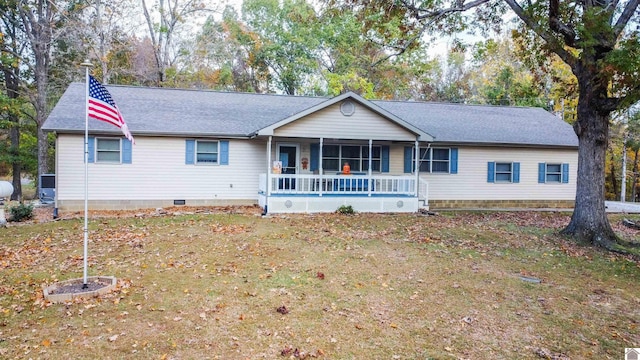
[46,213]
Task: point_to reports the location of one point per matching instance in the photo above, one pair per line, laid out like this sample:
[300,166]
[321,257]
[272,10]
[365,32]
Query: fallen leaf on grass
[547,354]
[287,351]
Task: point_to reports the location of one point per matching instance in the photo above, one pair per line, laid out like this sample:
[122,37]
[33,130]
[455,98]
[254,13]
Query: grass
[196,286]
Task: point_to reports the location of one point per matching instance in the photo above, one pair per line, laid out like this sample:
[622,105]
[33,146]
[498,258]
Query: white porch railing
[298,184]
[423,194]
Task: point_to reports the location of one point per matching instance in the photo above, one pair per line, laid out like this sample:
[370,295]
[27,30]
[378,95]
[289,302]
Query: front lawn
[229,284]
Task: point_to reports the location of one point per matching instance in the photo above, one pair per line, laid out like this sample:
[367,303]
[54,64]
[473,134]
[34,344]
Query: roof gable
[422,135]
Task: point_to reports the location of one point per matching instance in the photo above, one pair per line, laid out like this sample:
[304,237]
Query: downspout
[320,169]
[268,188]
[417,167]
[370,184]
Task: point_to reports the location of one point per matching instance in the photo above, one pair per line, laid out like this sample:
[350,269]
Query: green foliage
[21,212]
[346,210]
[350,81]
[287,37]
[500,76]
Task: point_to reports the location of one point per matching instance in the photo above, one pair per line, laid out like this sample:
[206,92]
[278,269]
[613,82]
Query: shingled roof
[178,112]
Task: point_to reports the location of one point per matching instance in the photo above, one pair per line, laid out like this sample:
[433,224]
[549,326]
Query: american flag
[102,107]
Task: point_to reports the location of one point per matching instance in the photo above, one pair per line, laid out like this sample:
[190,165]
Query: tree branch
[459,6]
[434,16]
[614,103]
[624,18]
[402,49]
[555,24]
[551,41]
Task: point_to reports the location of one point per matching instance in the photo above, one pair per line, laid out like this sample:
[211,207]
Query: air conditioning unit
[47,186]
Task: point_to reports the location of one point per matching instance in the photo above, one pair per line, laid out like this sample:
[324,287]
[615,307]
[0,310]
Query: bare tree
[163,24]
[38,19]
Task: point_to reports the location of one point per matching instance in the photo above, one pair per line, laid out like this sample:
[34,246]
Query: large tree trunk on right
[589,221]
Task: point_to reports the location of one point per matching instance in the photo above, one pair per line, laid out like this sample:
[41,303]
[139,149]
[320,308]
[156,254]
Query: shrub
[21,212]
[346,209]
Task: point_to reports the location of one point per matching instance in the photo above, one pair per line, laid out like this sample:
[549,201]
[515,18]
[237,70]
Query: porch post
[417,165]
[268,168]
[370,165]
[320,170]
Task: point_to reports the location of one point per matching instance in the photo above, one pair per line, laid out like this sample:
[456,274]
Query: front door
[288,155]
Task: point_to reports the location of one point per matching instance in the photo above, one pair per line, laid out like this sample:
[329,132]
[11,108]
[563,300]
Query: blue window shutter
[385,159]
[126,151]
[91,148]
[565,173]
[541,173]
[516,172]
[190,153]
[491,171]
[454,161]
[408,164]
[314,163]
[224,152]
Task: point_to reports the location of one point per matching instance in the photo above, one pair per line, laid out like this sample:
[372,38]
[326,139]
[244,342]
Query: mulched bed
[77,287]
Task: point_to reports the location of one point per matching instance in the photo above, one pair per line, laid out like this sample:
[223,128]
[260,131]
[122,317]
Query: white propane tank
[6,189]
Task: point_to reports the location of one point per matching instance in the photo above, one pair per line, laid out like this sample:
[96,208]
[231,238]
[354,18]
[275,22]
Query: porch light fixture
[347,108]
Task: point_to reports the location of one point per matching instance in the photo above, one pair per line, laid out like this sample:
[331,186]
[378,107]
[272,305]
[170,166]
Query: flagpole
[86,65]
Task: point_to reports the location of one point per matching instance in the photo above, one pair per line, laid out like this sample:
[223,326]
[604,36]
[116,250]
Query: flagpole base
[70,290]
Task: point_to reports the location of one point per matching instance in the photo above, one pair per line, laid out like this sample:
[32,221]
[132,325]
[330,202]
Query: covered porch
[308,155]
[282,193]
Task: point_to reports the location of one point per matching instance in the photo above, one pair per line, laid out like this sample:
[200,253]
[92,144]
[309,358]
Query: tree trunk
[589,221]
[612,176]
[634,179]
[12,86]
[41,116]
[38,23]
[16,168]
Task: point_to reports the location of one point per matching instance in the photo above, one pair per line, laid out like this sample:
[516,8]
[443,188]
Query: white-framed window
[108,150]
[504,172]
[207,152]
[553,173]
[334,156]
[434,160]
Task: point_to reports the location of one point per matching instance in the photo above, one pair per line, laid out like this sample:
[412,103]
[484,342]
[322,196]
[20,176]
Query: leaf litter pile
[226,283]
